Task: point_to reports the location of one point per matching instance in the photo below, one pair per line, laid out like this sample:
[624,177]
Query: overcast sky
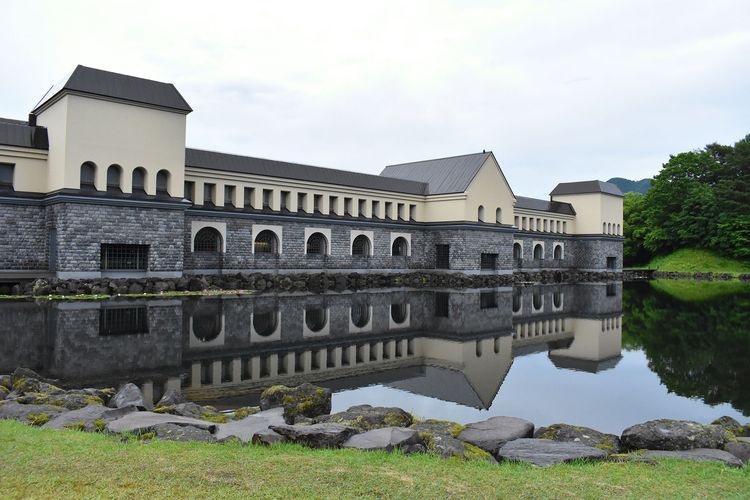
[559,91]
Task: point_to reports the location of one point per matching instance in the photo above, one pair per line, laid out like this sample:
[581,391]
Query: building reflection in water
[453,345]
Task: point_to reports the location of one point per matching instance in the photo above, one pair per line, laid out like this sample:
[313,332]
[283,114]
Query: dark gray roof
[442,175]
[557,207]
[272,168]
[115,85]
[586,187]
[19,133]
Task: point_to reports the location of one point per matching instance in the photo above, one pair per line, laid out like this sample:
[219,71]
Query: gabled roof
[584,187]
[557,207]
[102,83]
[20,134]
[442,175]
[285,170]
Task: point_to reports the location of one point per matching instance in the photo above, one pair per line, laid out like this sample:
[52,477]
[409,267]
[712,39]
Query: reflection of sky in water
[536,390]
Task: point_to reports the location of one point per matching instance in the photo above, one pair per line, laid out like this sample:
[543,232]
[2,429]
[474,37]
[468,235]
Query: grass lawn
[691,260]
[45,463]
[700,291]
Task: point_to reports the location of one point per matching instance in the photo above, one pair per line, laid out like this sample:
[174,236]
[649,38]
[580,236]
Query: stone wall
[590,253]
[23,238]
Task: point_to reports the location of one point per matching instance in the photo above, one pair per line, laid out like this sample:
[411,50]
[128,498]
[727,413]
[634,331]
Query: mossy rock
[6,382]
[76,426]
[365,417]
[244,412]
[306,400]
[584,435]
[217,418]
[38,419]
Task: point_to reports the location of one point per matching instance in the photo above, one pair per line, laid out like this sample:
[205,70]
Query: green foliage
[700,199]
[627,186]
[38,419]
[691,260]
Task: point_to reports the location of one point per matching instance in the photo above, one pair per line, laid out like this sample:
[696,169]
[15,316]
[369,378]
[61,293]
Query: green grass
[71,464]
[700,291]
[691,260]
[128,295]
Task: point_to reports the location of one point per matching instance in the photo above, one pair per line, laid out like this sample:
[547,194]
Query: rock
[739,448]
[545,452]
[196,284]
[729,424]
[439,439]
[268,437]
[72,400]
[104,394]
[387,439]
[571,433]
[7,382]
[696,454]
[4,391]
[24,380]
[171,397]
[89,418]
[245,429]
[306,400]
[135,289]
[673,435]
[194,410]
[245,411]
[316,435]
[174,432]
[140,422]
[365,417]
[129,394]
[30,414]
[494,432]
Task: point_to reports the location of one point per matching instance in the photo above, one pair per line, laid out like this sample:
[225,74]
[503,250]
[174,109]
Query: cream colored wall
[106,132]
[593,209]
[552,219]
[489,189]
[444,208]
[591,341]
[30,172]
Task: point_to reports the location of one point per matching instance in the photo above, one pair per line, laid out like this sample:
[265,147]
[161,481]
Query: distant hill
[627,186]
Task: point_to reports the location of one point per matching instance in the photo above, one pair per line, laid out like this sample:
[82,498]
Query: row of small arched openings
[481,215]
[609,228]
[115,175]
[557,252]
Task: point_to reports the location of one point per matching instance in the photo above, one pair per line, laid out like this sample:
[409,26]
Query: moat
[602,355]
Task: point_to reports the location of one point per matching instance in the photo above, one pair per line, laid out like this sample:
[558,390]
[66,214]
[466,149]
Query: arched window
[265,323]
[317,244]
[139,180]
[517,300]
[604,227]
[538,252]
[537,300]
[557,299]
[360,315]
[609,228]
[162,182]
[88,176]
[400,247]
[478,349]
[207,239]
[499,215]
[618,230]
[114,178]
[398,313]
[558,255]
[266,242]
[480,213]
[517,251]
[315,319]
[361,245]
[207,321]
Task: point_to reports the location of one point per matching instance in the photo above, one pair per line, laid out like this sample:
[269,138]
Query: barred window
[487,300]
[315,319]
[488,261]
[123,320]
[361,245]
[124,257]
[316,244]
[265,323]
[442,256]
[207,239]
[360,315]
[266,242]
[442,303]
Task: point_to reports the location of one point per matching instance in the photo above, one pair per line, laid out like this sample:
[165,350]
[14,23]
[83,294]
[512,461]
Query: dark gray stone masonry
[23,238]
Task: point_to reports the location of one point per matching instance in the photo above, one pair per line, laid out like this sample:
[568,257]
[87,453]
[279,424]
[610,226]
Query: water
[601,355]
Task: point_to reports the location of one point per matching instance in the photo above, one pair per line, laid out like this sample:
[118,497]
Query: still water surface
[600,355]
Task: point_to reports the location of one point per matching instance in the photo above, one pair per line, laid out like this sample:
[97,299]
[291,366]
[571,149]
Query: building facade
[98,183]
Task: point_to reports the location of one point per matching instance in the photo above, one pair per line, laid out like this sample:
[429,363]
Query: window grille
[316,244]
[442,303]
[123,320]
[207,239]
[124,257]
[611,262]
[442,256]
[488,261]
[360,315]
[266,242]
[361,245]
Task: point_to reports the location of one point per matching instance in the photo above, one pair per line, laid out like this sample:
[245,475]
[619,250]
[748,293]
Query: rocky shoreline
[308,282]
[303,415]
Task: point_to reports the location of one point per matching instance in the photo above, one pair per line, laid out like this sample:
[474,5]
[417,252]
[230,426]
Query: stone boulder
[316,435]
[696,454]
[25,381]
[6,382]
[171,398]
[545,452]
[194,410]
[729,424]
[673,435]
[387,439]
[72,400]
[572,433]
[247,427]
[174,432]
[268,437]
[439,438]
[89,418]
[365,417]
[129,394]
[30,414]
[141,422]
[305,400]
[739,448]
[4,391]
[494,432]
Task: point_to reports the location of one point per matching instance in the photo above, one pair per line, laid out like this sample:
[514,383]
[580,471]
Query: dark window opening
[139,181]
[388,210]
[348,203]
[361,245]
[228,196]
[558,253]
[207,320]
[557,299]
[88,176]
[6,176]
[124,257]
[487,300]
[360,315]
[266,242]
[517,299]
[267,194]
[611,262]
[488,261]
[317,203]
[538,252]
[537,300]
[162,182]
[114,178]
[301,201]
[207,239]
[412,212]
[611,290]
[284,202]
[190,190]
[333,205]
[265,323]
[375,209]
[315,319]
[249,195]
[442,256]
[208,194]
[517,251]
[361,208]
[317,244]
[123,320]
[400,247]
[442,305]
[399,313]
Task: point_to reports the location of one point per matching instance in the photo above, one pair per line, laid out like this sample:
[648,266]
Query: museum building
[98,182]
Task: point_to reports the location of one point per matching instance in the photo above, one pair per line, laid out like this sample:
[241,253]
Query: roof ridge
[118,74]
[437,159]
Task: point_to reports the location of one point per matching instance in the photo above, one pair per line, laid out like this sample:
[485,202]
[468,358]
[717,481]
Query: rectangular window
[361,208]
[348,204]
[388,210]
[249,197]
[488,261]
[124,257]
[611,290]
[564,228]
[228,196]
[412,212]
[487,300]
[301,202]
[442,304]
[123,320]
[401,208]
[317,202]
[190,190]
[546,226]
[442,256]
[267,194]
[6,176]
[523,223]
[333,205]
[375,209]
[284,201]
[515,221]
[208,193]
[611,262]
